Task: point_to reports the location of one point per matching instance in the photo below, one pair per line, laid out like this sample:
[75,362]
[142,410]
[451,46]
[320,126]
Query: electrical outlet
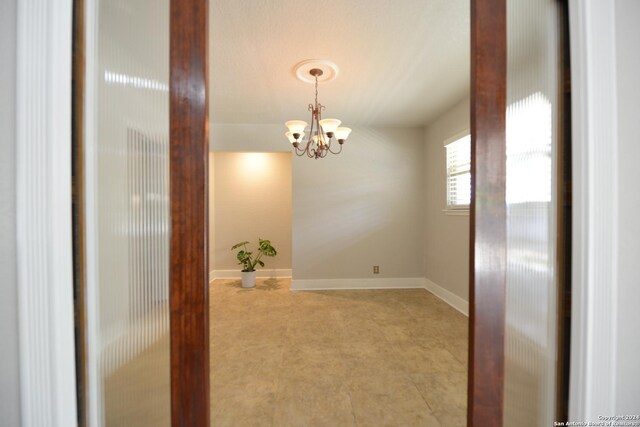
[376,269]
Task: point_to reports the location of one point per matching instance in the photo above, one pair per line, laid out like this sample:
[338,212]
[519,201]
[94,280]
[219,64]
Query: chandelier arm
[321,135]
[312,145]
[336,152]
[306,150]
[331,140]
[299,152]
[319,108]
[313,115]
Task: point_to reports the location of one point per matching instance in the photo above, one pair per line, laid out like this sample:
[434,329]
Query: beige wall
[361,208]
[211,225]
[351,211]
[251,200]
[248,137]
[446,237]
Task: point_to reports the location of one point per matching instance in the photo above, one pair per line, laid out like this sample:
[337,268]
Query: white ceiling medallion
[329,70]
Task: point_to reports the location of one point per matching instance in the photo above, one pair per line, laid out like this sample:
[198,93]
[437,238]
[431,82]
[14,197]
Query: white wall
[360,208]
[248,137]
[9,367]
[446,237]
[211,229]
[627,15]
[351,211]
[252,200]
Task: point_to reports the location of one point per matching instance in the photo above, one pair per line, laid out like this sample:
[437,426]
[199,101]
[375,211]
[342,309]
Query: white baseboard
[344,284]
[260,274]
[449,297]
[347,284]
[384,283]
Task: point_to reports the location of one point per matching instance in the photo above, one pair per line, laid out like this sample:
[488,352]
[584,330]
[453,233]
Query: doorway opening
[378,198]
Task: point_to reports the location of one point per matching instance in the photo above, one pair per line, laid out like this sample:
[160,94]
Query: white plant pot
[248,279]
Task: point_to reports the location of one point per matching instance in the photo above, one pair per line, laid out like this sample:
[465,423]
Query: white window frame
[453,209]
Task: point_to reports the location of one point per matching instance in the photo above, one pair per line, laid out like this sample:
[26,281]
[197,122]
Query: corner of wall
[450,298]
[446,237]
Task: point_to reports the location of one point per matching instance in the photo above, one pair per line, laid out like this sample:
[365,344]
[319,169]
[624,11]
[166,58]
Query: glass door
[534,211]
[127,216]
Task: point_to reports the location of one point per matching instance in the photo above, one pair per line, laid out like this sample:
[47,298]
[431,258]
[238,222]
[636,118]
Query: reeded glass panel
[127,171]
[532,140]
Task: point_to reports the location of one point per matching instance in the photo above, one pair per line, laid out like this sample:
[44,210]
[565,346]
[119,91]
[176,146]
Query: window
[458,172]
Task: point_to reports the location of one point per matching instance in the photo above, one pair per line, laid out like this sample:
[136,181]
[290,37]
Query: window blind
[459,173]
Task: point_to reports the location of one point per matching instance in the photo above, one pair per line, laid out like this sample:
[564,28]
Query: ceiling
[402,62]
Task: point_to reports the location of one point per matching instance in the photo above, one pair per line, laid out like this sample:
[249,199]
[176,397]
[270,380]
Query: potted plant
[249,262]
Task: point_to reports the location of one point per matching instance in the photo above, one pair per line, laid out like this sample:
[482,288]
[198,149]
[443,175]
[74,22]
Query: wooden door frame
[188,165]
[487,249]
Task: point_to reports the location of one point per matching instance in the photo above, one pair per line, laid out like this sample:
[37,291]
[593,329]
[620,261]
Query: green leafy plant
[246,258]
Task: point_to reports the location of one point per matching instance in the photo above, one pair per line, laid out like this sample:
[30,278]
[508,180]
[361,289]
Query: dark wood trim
[488,213]
[189,143]
[564,214]
[78,203]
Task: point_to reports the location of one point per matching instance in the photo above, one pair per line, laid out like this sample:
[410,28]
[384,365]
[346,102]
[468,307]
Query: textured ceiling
[402,62]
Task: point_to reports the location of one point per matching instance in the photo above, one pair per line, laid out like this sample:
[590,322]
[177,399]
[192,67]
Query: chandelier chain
[316,91]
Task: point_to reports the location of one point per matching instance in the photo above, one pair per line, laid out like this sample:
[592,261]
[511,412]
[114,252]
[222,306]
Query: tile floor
[335,358]
[138,392]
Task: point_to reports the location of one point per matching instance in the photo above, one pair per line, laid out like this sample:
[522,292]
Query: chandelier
[323,132]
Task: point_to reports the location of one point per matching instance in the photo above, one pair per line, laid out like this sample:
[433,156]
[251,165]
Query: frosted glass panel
[532,140]
[127,169]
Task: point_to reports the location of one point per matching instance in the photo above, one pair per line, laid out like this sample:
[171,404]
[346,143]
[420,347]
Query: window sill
[457,211]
